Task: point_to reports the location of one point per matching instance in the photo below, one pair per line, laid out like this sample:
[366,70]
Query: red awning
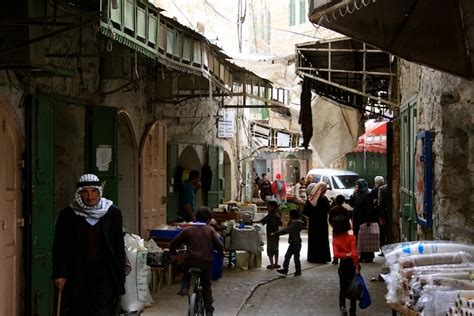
[374,139]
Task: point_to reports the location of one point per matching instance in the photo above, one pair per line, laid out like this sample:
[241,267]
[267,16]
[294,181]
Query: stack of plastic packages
[464,304]
[427,276]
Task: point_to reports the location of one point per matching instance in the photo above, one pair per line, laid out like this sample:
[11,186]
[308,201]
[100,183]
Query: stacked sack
[427,276]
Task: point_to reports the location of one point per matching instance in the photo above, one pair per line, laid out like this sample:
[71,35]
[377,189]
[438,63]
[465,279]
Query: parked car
[338,181]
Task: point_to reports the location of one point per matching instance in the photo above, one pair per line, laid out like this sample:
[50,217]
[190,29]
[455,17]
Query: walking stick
[58,306]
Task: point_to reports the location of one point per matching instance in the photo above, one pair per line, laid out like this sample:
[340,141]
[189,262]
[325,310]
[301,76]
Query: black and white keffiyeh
[91,213]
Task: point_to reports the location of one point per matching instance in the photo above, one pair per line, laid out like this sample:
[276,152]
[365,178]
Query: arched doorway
[292,171]
[227,177]
[189,160]
[153,178]
[127,167]
[10,205]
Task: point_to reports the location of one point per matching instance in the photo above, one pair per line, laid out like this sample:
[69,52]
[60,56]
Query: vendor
[187,200]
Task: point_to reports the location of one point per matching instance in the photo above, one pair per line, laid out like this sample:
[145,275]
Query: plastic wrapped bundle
[463,267]
[416,266]
[394,251]
[434,259]
[437,302]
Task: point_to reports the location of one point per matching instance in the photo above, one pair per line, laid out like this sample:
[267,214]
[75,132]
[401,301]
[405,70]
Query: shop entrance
[127,167]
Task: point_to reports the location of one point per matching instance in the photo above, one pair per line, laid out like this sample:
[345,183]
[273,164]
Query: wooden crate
[222,216]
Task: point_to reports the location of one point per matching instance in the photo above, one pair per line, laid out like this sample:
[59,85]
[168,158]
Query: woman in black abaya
[317,210]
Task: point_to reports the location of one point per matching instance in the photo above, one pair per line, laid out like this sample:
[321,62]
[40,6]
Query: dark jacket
[199,241]
[69,238]
[294,228]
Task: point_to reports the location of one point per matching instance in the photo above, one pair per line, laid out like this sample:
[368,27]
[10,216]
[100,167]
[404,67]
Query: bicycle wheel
[192,305]
[199,308]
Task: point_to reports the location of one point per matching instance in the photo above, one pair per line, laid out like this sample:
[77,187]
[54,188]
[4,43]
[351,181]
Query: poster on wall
[423,179]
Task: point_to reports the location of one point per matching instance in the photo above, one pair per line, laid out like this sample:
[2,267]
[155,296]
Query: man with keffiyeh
[89,252]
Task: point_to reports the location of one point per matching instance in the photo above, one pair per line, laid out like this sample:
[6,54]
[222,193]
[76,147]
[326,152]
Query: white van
[338,181]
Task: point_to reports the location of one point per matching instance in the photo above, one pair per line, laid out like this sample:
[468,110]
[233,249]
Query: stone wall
[444,107]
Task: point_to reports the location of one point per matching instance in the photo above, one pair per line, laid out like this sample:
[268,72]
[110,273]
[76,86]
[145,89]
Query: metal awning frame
[331,74]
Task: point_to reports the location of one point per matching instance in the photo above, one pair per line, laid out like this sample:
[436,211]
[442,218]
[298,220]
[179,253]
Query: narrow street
[265,292]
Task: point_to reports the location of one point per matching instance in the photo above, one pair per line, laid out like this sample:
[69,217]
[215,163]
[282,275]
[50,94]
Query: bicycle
[196,301]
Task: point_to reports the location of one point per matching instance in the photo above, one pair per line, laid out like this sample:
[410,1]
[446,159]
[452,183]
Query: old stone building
[120,91]
[432,161]
[443,106]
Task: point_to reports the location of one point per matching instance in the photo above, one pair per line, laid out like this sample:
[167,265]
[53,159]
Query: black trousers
[293,250]
[346,273]
[206,275]
[96,297]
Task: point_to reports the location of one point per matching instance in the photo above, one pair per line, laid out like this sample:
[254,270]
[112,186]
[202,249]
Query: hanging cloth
[306,116]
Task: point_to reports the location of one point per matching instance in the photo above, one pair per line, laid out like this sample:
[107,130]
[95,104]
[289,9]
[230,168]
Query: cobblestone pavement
[264,292]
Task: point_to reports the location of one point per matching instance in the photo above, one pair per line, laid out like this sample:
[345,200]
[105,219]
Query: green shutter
[101,133]
[172,203]
[40,164]
[292,13]
[302,11]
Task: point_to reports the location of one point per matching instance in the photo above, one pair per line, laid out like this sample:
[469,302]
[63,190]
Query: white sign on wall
[226,125]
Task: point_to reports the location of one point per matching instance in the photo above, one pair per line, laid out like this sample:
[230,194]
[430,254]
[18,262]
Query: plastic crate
[164,234]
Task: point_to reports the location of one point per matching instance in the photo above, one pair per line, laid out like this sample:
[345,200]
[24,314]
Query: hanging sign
[226,125]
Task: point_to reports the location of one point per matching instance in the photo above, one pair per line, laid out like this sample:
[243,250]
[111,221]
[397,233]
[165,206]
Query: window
[302,11]
[292,13]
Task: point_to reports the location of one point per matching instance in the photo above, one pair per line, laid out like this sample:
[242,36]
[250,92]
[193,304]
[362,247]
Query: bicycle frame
[196,301]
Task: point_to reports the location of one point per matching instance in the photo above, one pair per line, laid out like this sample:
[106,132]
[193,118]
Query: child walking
[337,210]
[345,249]
[273,221]
[294,228]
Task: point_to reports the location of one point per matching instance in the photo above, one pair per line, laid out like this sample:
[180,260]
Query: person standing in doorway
[265,187]
[89,252]
[187,197]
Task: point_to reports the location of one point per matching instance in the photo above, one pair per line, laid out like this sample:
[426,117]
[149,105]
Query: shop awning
[435,33]
[349,72]
[374,140]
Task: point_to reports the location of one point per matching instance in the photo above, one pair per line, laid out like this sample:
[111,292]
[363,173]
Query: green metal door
[172,203]
[40,210]
[407,172]
[216,162]
[101,148]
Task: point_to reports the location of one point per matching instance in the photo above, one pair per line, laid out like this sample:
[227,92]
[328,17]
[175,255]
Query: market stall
[430,278]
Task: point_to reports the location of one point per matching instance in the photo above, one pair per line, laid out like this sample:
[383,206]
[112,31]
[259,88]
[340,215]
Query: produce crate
[222,216]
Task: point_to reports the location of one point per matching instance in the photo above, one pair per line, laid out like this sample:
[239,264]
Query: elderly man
[89,252]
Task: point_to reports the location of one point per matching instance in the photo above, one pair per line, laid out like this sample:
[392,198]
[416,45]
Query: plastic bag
[354,289]
[365,300]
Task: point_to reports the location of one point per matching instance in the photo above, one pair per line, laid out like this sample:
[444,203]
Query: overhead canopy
[349,72]
[436,33]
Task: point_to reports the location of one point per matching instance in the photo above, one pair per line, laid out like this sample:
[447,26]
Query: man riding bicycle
[200,240]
